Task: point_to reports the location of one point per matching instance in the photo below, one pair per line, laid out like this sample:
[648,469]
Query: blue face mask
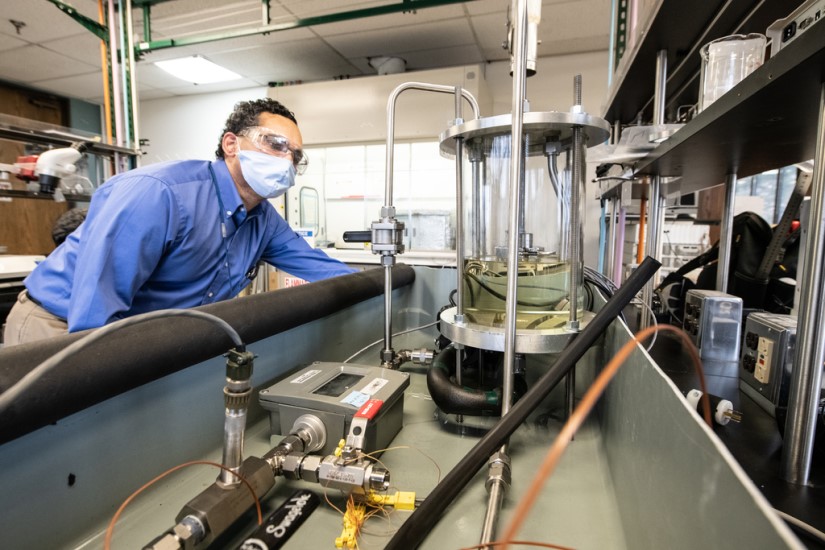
[267,175]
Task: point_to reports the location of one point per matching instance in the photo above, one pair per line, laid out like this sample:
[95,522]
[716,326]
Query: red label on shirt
[369,409]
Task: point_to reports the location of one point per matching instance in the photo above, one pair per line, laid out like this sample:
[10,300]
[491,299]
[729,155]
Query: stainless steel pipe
[806,378]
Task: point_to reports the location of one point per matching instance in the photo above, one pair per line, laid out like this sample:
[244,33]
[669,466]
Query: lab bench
[643,472]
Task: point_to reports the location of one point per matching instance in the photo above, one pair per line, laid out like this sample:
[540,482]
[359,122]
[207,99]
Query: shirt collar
[230,197]
[233,206]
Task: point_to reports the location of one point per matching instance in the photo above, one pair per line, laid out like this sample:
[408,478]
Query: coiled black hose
[454,399]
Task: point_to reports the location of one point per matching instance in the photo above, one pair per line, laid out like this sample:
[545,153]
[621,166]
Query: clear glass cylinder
[544,243]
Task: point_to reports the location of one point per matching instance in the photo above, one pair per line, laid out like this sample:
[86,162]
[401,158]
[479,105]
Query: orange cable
[585,406]
[110,530]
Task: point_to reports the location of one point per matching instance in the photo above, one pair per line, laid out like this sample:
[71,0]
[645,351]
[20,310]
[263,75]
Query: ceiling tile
[34,63]
[479,7]
[43,21]
[404,39]
[391,21]
[83,47]
[305,60]
[8,42]
[55,51]
[443,57]
[153,93]
[86,86]
[190,89]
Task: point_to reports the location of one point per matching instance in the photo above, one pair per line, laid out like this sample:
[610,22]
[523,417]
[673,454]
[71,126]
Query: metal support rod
[133,104]
[806,378]
[387,306]
[147,22]
[459,230]
[388,173]
[570,392]
[116,91]
[266,19]
[575,209]
[496,498]
[659,91]
[654,239]
[656,208]
[478,235]
[516,152]
[618,259]
[726,235]
[124,75]
[516,173]
[388,211]
[611,245]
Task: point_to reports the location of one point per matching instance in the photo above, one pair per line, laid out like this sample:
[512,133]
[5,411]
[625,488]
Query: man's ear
[229,143]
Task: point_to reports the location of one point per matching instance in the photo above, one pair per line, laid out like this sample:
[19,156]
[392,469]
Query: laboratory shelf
[766,121]
[681,28]
[23,130]
[15,194]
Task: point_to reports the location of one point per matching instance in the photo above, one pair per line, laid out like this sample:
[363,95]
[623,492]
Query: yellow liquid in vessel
[542,295]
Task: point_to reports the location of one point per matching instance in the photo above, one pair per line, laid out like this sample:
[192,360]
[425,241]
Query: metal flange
[540,127]
[492,338]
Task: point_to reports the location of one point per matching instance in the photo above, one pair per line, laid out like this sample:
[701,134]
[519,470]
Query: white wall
[190,126]
[354,110]
[551,88]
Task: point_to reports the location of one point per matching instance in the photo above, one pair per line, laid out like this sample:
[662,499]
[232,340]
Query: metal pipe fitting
[237,393]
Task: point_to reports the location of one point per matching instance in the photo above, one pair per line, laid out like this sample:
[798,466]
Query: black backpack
[750,238]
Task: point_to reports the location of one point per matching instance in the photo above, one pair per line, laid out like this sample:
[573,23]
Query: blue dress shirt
[153,239]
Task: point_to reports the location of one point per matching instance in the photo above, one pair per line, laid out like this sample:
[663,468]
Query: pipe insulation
[413,531]
[139,354]
[451,397]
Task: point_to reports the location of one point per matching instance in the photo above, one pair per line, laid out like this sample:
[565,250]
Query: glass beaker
[727,61]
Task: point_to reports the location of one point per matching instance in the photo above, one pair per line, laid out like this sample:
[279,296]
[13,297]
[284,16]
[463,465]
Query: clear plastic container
[727,61]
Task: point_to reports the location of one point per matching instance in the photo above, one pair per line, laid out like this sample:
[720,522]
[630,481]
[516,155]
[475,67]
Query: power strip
[784,31]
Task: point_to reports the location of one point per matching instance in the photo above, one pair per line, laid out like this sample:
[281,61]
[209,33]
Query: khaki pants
[28,322]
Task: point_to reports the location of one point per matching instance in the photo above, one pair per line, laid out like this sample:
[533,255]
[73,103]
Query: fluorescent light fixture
[197,69]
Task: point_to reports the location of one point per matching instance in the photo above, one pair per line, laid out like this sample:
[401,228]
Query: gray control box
[767,358]
[334,392]
[713,320]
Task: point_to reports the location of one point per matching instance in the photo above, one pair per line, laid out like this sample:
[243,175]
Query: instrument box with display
[334,392]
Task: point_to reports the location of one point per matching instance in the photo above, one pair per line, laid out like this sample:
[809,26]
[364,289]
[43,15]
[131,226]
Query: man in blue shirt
[177,234]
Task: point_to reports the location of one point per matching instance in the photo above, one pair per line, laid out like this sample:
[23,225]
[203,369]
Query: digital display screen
[339,384]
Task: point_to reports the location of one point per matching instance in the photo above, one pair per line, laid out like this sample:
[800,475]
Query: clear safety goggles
[275,144]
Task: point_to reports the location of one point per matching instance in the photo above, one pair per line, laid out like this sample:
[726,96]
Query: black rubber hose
[413,531]
[454,399]
[139,354]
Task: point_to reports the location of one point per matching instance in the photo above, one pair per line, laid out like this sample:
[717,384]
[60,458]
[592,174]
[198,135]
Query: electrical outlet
[764,359]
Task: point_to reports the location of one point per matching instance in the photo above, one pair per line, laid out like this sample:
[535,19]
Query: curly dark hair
[66,223]
[246,115]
